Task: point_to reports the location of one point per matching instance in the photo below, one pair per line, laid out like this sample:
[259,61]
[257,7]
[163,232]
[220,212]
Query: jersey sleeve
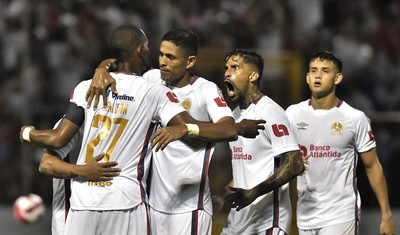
[167,104]
[214,102]
[278,130]
[365,139]
[153,75]
[78,95]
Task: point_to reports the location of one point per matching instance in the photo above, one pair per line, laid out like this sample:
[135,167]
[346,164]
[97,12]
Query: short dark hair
[249,57]
[328,56]
[185,38]
[125,39]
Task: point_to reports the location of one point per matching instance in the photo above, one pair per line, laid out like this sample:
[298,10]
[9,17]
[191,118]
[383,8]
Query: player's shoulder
[202,83]
[267,103]
[153,75]
[300,105]
[297,108]
[350,111]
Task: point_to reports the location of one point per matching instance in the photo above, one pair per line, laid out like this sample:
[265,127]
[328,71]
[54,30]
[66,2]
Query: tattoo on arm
[291,166]
[50,171]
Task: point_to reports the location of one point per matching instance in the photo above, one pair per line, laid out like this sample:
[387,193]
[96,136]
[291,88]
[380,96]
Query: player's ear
[254,76]
[191,61]
[140,49]
[338,78]
[308,78]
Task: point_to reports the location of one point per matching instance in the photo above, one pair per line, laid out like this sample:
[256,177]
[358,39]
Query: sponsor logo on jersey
[337,128]
[123,97]
[172,97]
[220,101]
[100,183]
[371,136]
[238,154]
[280,130]
[302,126]
[186,104]
[319,151]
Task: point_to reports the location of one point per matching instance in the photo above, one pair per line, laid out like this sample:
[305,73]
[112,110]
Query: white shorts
[196,222]
[347,228]
[271,231]
[117,222]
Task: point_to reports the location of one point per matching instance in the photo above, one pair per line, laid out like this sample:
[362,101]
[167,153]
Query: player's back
[122,130]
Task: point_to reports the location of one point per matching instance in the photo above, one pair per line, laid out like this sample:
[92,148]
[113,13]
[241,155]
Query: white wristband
[25,133]
[193,129]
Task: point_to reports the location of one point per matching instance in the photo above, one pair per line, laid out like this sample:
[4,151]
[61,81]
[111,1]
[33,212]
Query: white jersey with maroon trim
[62,187]
[253,161]
[179,180]
[328,192]
[122,131]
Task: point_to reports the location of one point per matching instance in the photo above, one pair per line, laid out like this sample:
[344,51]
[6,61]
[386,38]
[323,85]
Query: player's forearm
[47,138]
[291,167]
[223,130]
[378,184]
[56,168]
[218,132]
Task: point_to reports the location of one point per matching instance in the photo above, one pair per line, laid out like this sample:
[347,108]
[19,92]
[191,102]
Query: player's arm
[378,184]
[51,165]
[101,81]
[183,124]
[58,137]
[49,138]
[291,166]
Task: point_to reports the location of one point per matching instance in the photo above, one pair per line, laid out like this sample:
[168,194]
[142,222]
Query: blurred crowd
[47,47]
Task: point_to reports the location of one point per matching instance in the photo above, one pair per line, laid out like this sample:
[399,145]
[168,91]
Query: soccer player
[333,135]
[60,165]
[179,191]
[261,165]
[122,130]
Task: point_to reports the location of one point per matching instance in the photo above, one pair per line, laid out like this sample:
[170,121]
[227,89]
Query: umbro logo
[302,126]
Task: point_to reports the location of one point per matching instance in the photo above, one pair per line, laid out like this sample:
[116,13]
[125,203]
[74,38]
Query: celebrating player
[179,192]
[60,164]
[259,165]
[122,130]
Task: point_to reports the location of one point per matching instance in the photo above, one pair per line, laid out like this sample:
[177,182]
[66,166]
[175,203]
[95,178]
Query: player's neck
[184,81]
[326,103]
[130,68]
[251,97]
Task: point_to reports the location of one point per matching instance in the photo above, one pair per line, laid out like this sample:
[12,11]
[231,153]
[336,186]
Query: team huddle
[139,164]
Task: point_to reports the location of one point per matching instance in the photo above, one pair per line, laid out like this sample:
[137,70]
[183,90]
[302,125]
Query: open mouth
[230,89]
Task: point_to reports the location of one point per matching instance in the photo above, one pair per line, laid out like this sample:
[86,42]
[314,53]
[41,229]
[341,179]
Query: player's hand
[306,162]
[387,227]
[240,198]
[166,135]
[100,171]
[101,81]
[21,136]
[249,128]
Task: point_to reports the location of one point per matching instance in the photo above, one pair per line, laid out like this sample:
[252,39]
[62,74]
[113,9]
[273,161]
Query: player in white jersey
[60,164]
[333,135]
[179,192]
[122,130]
[262,165]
